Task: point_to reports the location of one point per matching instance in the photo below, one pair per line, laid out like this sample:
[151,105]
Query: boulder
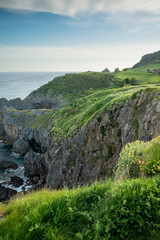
[16,181]
[21,146]
[6,193]
[4,164]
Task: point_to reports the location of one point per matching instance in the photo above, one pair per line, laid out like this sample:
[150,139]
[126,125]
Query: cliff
[91,149]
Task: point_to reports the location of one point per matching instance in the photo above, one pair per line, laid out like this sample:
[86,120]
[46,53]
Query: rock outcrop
[4,164]
[17,181]
[6,193]
[39,101]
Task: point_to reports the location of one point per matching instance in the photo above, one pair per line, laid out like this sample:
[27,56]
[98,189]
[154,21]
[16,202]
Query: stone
[36,179]
[55,178]
[4,164]
[6,193]
[16,181]
[21,146]
[158,107]
[34,164]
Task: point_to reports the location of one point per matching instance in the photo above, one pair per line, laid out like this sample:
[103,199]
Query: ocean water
[14,85]
[6,153]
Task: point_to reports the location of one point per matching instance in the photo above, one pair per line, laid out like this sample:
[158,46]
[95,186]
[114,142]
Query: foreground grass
[110,210]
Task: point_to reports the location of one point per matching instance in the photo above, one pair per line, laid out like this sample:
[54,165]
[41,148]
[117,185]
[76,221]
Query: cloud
[72,58]
[76,7]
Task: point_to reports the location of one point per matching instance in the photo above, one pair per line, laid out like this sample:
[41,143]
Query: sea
[19,85]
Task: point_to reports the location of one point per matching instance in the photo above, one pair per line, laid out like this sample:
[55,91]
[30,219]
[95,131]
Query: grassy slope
[155,64]
[77,83]
[88,94]
[79,112]
[140,75]
[110,210]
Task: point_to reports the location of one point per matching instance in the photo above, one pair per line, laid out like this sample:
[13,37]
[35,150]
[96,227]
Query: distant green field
[141,77]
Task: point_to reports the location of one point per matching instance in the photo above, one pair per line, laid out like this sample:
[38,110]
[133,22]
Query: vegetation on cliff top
[77,83]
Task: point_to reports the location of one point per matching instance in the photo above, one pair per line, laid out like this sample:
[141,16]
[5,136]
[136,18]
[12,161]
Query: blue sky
[72,35]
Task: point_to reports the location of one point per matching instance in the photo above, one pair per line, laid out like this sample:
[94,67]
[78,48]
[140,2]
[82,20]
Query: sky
[76,35]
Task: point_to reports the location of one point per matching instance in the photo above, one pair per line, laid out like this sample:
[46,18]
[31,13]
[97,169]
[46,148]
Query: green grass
[75,84]
[151,66]
[141,76]
[82,110]
[103,211]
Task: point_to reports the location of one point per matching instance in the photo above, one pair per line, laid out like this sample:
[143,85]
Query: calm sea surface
[13,85]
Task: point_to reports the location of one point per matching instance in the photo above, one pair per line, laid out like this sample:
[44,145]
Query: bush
[132,211]
[150,161]
[139,159]
[128,162]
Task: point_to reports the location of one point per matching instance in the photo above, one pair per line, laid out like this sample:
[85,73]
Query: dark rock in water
[21,146]
[6,193]
[16,181]
[8,164]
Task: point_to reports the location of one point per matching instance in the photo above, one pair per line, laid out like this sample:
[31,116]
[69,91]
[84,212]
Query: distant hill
[149,61]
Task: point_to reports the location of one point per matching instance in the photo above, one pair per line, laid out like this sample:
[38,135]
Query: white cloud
[74,7]
[71,59]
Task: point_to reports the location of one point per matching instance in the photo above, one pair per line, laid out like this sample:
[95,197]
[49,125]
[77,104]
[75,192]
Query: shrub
[128,162]
[139,159]
[150,161]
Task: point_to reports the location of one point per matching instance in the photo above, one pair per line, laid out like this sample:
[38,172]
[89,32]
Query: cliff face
[93,151]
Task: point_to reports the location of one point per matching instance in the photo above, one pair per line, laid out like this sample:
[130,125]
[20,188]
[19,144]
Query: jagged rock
[34,164]
[17,103]
[16,181]
[40,101]
[2,131]
[21,146]
[4,164]
[106,70]
[4,103]
[6,193]
[55,177]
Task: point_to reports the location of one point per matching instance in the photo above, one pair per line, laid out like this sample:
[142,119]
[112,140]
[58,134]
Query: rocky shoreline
[91,153]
